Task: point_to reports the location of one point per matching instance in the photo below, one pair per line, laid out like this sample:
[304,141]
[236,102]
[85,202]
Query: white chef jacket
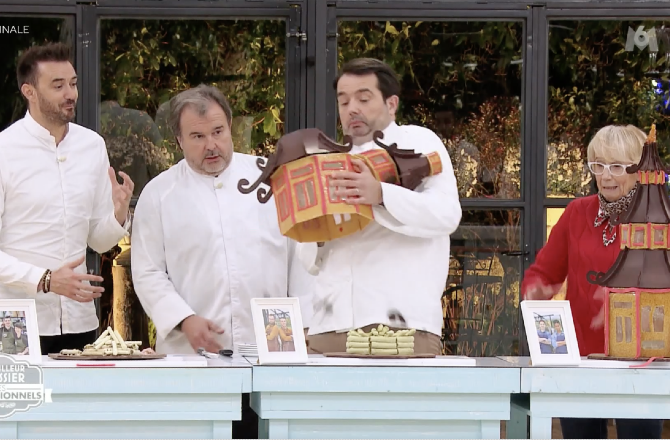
[199,246]
[399,263]
[53,202]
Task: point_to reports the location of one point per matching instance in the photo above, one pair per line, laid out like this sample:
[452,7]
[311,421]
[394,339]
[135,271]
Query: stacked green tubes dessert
[405,341]
[381,341]
[358,342]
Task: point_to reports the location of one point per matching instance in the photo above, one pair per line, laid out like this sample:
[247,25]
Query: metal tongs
[224,352]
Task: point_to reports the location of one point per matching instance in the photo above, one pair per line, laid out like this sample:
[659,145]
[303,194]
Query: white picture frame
[544,321]
[286,313]
[21,313]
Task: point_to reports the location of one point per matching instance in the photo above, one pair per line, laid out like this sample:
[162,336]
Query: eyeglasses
[615,169]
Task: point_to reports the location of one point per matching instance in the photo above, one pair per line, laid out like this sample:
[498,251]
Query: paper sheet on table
[602,363]
[439,361]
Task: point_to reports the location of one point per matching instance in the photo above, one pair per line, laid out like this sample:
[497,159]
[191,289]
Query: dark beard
[53,113]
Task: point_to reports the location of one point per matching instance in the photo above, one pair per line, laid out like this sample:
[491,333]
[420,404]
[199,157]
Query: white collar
[36,129]
[390,133]
[223,176]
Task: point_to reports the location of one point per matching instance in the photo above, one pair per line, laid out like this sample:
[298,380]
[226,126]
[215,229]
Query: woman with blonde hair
[583,240]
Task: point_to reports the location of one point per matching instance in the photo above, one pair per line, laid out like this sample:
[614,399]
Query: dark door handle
[514,253]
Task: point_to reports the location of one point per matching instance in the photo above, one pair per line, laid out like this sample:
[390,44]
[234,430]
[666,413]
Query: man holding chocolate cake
[392,272]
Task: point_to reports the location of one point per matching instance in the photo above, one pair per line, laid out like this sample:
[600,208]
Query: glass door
[463,76]
[148,54]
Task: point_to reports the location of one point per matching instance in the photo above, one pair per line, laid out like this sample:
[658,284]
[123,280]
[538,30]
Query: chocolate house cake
[299,171]
[638,284]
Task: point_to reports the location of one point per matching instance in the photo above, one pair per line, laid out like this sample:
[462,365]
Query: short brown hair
[387,80]
[26,70]
[199,97]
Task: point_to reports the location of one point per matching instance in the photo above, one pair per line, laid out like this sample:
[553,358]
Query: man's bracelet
[45,281]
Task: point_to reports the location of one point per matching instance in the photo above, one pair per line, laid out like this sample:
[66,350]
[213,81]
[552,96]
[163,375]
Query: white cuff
[128,222]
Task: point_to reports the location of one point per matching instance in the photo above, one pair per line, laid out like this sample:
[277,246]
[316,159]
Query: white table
[596,389]
[150,401]
[372,401]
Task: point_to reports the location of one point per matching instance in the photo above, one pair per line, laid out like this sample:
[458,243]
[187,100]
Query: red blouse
[574,248]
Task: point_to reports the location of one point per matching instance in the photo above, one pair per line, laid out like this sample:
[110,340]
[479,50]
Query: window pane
[19,33]
[598,76]
[553,214]
[462,80]
[481,300]
[144,63]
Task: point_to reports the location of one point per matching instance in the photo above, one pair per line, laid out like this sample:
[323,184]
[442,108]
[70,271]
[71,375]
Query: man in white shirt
[394,271]
[201,250]
[58,194]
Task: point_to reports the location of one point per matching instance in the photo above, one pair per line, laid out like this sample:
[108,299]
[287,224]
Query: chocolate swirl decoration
[412,167]
[262,194]
[291,147]
[393,148]
[595,277]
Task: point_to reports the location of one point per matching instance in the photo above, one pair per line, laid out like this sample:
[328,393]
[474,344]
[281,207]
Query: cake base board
[109,357]
[381,356]
[602,357]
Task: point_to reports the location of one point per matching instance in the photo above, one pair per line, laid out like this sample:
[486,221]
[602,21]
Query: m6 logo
[641,39]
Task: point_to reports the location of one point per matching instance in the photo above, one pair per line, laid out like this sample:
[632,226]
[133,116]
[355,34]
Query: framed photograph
[19,335]
[550,332]
[280,337]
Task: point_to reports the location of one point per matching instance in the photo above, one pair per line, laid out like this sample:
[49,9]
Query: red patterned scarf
[611,210]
